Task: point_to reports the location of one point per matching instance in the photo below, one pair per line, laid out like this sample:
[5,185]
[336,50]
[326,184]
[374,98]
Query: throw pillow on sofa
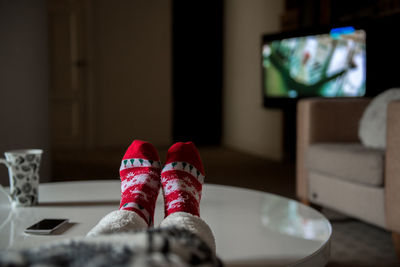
[372,128]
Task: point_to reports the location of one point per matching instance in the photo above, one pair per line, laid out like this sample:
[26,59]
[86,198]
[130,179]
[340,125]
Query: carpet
[356,243]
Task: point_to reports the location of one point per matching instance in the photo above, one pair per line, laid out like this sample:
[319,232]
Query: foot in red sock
[182,179]
[140,179]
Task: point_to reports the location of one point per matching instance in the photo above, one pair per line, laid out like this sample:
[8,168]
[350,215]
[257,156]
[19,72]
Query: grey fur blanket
[154,247]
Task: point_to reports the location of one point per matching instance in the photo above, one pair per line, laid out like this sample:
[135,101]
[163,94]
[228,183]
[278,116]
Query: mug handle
[5,162]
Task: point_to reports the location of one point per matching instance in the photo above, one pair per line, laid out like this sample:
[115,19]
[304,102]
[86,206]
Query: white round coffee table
[250,227]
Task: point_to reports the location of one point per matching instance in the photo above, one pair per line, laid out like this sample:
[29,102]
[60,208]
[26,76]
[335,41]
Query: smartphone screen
[46,225]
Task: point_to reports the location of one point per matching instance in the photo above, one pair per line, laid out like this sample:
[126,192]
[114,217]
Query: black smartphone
[46,226]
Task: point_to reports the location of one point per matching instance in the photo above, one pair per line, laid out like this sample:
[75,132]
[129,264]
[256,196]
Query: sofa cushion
[348,161]
[372,128]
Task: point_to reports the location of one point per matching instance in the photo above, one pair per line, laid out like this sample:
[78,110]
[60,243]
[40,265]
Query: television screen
[327,64]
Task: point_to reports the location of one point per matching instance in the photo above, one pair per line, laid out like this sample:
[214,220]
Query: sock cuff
[138,162]
[186,167]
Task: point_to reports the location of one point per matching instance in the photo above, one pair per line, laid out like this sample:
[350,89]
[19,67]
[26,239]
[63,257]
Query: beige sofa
[335,170]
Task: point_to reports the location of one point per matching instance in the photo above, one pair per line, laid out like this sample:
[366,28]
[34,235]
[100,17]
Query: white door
[67,20]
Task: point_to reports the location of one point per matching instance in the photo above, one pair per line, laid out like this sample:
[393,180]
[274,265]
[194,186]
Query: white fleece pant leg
[193,224]
[118,221]
[123,220]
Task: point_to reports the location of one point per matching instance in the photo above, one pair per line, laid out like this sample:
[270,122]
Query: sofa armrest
[392,167]
[324,120]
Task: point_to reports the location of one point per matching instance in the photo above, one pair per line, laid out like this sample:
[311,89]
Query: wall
[247,125]
[132,72]
[24,79]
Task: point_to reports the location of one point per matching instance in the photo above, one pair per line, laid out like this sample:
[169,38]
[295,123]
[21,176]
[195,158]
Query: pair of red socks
[181,179]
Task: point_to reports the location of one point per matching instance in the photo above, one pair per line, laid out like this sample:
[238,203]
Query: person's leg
[140,184]
[182,180]
[193,224]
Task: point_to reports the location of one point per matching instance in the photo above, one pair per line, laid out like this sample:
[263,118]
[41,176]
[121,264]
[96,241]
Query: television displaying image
[327,64]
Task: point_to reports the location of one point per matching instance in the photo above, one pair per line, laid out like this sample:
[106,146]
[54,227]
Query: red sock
[182,179]
[140,179]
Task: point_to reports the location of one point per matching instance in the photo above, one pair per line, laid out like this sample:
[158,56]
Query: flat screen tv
[314,63]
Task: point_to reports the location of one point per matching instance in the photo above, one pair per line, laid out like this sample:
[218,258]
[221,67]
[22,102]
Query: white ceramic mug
[23,169]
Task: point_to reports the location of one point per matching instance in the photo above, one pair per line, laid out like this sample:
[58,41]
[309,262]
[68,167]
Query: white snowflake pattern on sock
[173,183]
[140,179]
